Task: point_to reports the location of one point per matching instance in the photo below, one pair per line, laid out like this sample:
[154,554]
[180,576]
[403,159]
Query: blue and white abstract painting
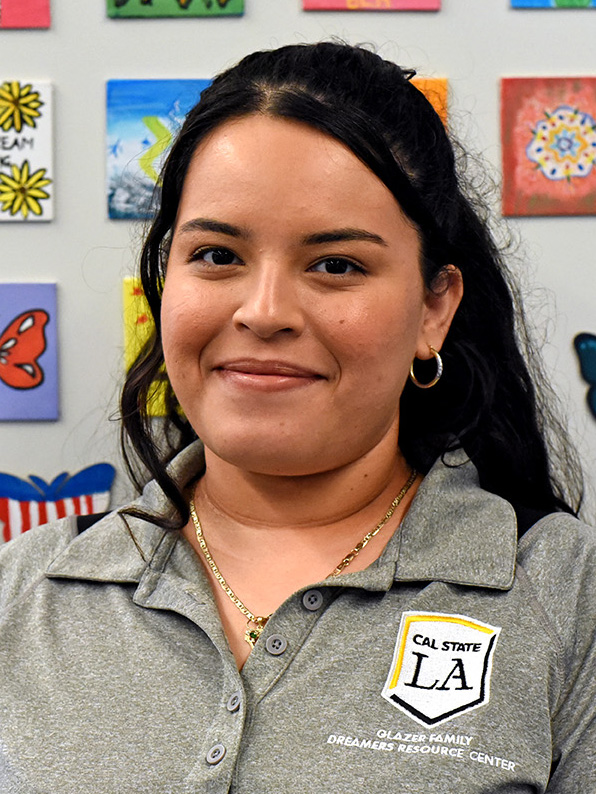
[143,116]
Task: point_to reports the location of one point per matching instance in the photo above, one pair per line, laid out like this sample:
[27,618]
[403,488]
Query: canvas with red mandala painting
[548,129]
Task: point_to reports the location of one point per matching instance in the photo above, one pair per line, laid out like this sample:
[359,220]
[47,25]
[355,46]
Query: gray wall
[473,42]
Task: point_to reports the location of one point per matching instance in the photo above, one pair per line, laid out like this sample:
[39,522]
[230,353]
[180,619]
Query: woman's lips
[266,375]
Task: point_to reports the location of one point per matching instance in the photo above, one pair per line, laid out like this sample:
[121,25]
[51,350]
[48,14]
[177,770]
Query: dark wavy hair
[486,401]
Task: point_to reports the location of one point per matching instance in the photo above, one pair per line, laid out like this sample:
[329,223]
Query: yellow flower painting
[22,191]
[19,105]
[26,165]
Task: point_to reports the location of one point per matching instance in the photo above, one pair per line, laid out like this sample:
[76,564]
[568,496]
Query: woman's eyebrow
[209,225]
[343,235]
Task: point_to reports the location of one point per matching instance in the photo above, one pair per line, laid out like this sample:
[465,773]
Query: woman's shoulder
[558,541]
[558,557]
[24,560]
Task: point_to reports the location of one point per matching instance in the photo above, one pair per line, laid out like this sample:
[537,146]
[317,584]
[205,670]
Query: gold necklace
[256,623]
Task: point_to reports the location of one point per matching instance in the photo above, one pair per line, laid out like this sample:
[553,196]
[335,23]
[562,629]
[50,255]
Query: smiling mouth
[267,374]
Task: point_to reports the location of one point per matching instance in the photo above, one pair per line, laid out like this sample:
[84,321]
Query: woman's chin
[280,458]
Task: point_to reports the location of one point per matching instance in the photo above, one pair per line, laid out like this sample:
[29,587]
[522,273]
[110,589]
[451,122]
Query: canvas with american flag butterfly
[25,504]
[28,355]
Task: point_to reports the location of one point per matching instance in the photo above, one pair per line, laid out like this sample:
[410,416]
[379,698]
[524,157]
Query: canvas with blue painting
[143,117]
[553,3]
[585,347]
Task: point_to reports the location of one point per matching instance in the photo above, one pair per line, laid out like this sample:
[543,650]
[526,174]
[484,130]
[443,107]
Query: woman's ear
[441,302]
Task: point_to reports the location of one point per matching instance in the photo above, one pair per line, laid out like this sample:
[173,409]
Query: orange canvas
[435,89]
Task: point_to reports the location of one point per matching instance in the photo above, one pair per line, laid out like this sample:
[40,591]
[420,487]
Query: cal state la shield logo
[441,666]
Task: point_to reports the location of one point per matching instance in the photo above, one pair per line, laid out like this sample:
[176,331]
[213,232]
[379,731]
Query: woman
[327,592]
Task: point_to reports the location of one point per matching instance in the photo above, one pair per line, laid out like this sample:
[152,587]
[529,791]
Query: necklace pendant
[254,629]
[252,633]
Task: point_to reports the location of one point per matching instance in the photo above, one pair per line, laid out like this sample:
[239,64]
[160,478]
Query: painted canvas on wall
[142,118]
[553,3]
[585,347]
[25,504]
[175,8]
[371,5]
[24,13]
[138,327]
[436,90]
[548,129]
[28,354]
[26,171]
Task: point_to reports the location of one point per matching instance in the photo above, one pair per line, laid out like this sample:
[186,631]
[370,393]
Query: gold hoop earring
[439,372]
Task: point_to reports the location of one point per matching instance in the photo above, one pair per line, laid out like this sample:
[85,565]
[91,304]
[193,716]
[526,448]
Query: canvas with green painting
[174,8]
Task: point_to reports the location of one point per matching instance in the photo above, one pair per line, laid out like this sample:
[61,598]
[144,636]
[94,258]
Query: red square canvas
[548,128]
[24,13]
[371,5]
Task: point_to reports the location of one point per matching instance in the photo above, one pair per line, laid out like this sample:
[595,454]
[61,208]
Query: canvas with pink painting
[371,5]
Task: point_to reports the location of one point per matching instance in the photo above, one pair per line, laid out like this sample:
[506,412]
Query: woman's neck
[321,500]
[271,536]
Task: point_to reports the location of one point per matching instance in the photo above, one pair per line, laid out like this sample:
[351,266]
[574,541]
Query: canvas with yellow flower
[26,171]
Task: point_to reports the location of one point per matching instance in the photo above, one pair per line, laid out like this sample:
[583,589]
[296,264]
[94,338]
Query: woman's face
[293,302]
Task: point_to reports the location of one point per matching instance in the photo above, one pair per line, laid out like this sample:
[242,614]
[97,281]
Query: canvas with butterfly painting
[585,347]
[28,354]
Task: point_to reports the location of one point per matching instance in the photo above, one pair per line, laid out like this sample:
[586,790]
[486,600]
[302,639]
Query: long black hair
[486,401]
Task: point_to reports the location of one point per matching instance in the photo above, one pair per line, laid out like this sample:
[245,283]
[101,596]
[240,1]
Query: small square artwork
[138,328]
[24,13]
[26,170]
[174,8]
[143,116]
[28,352]
[553,3]
[548,130]
[371,5]
[435,89]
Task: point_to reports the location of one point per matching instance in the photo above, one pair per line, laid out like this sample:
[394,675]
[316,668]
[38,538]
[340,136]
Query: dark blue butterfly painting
[585,346]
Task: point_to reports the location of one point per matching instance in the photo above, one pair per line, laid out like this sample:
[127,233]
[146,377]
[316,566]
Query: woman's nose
[269,304]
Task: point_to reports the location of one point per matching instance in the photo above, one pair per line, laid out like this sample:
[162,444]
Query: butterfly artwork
[25,504]
[28,356]
[21,344]
[585,347]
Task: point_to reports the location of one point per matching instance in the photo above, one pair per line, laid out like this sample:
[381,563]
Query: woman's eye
[216,256]
[336,266]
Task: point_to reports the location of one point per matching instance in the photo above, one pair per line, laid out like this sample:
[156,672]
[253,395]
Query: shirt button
[312,600]
[216,754]
[234,702]
[276,644]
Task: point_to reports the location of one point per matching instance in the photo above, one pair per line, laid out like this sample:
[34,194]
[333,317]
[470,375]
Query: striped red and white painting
[25,504]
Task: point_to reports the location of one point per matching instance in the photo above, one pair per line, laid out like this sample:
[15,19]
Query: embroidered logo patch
[441,666]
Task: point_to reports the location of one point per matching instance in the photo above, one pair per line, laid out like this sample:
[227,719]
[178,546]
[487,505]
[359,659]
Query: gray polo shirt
[457,662]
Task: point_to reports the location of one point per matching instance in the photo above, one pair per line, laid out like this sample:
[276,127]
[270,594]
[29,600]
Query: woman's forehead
[282,167]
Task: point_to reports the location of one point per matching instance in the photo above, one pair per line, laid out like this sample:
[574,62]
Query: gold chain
[251,635]
[370,535]
[256,623]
